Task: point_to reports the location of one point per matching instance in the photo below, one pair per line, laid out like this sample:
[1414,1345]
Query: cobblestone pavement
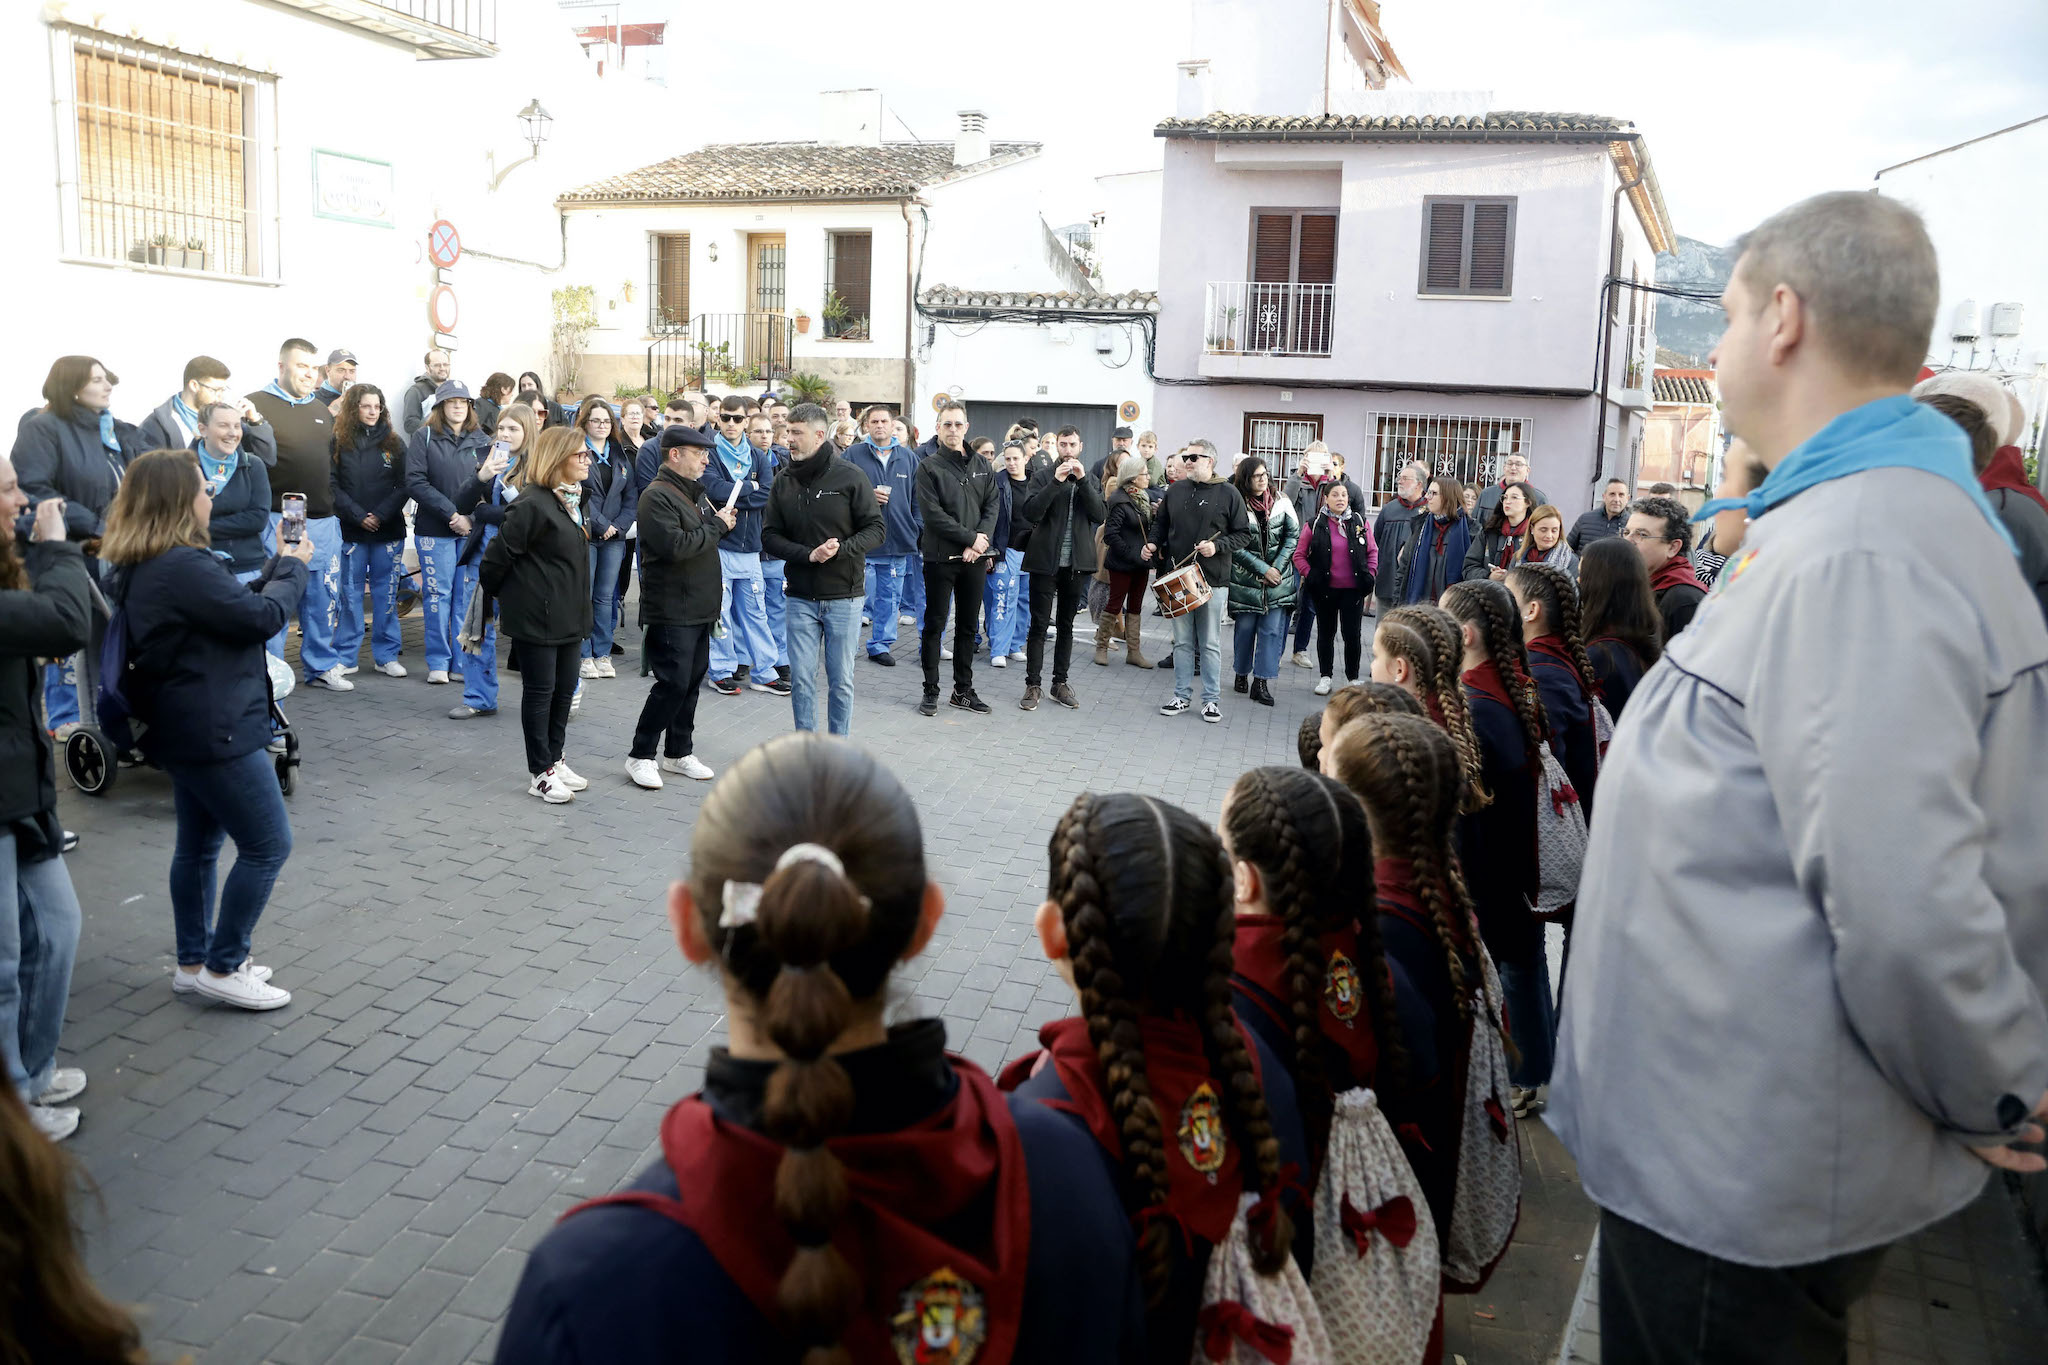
[489,1016]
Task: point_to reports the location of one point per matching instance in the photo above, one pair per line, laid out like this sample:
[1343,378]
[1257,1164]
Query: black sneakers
[726,687]
[885,660]
[967,701]
[1064,695]
[930,705]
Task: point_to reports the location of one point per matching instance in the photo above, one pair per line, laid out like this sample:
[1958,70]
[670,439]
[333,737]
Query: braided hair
[1552,589]
[1308,739]
[828,927]
[1408,775]
[1308,837]
[1447,650]
[1120,865]
[1403,641]
[1489,608]
[1353,700]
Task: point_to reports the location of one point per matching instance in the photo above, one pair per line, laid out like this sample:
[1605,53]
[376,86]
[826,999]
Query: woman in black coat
[538,569]
[1125,529]
[367,482]
[43,612]
[197,677]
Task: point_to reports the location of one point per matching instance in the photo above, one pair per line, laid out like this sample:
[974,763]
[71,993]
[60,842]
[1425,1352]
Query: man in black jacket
[1201,519]
[957,495]
[1610,518]
[822,520]
[680,587]
[419,399]
[1063,508]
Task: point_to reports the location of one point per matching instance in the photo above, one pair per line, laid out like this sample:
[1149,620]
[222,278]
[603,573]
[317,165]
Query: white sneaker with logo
[550,789]
[242,990]
[1323,686]
[67,1083]
[688,766]
[566,775]
[644,773]
[587,669]
[184,982]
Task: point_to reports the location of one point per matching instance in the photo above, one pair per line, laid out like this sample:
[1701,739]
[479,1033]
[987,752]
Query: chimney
[850,118]
[1191,94]
[971,143]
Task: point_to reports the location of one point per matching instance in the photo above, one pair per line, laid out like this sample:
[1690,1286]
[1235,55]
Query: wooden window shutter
[1273,248]
[1317,263]
[672,281]
[1444,256]
[852,270]
[1489,248]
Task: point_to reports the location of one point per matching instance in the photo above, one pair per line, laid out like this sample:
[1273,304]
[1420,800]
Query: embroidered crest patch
[1201,1130]
[940,1320]
[1340,987]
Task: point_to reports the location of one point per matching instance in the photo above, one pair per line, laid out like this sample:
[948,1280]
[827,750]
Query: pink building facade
[1447,285]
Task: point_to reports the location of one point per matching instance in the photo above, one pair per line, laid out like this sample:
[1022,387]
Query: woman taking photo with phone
[198,681]
[538,567]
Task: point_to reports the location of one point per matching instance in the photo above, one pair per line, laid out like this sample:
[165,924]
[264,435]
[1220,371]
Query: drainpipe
[1601,358]
[909,309]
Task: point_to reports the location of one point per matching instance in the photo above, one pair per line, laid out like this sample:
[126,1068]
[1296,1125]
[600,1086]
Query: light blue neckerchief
[273,388]
[185,411]
[737,460]
[107,436]
[601,452]
[1886,433]
[216,470]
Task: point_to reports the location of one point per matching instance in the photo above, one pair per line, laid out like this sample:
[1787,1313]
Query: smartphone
[500,450]
[292,528]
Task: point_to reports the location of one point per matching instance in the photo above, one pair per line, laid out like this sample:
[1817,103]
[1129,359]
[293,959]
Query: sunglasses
[734,417]
[1191,459]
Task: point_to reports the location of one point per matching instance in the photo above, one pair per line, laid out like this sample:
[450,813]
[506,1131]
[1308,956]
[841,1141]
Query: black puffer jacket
[538,567]
[46,620]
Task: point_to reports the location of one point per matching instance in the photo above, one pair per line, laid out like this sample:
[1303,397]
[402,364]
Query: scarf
[1443,531]
[1141,504]
[1260,506]
[107,436]
[2008,470]
[571,495]
[1261,962]
[1510,541]
[273,388]
[599,451]
[737,458]
[217,471]
[1552,648]
[184,412]
[1677,570]
[1885,433]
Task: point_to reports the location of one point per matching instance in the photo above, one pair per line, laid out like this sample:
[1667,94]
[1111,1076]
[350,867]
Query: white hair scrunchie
[740,903]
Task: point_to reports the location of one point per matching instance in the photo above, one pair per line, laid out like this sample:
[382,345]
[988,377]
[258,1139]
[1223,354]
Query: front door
[767,298]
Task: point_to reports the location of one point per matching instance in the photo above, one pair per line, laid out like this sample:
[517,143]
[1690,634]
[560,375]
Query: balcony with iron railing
[435,29]
[1251,318]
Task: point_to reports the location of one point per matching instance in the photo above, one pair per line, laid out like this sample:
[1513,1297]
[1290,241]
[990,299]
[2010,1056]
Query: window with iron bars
[1468,449]
[165,160]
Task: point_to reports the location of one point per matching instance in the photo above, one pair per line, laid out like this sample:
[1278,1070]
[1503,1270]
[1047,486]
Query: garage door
[992,419]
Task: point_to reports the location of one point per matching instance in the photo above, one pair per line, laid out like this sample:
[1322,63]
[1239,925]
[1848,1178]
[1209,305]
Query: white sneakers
[1177,706]
[688,766]
[334,679]
[55,1122]
[587,669]
[550,788]
[644,773]
[945,653]
[1323,686]
[350,670]
[906,619]
[1301,659]
[67,1083]
[1020,657]
[437,675]
[241,989]
[394,669]
[1000,661]
[184,982]
[605,669]
[566,775]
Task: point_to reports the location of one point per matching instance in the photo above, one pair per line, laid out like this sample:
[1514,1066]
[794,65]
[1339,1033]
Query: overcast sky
[1747,104]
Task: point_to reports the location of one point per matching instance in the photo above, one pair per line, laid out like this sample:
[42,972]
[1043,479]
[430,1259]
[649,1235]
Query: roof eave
[657,200]
[1631,156]
[1393,135]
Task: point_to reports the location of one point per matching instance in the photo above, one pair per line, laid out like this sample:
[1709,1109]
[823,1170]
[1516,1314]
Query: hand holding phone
[292,526]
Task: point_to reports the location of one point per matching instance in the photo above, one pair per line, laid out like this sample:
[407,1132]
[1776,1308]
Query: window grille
[668,293]
[849,277]
[1468,449]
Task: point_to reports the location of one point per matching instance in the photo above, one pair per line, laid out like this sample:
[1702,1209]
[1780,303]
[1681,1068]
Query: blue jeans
[377,563]
[775,590]
[1008,613]
[238,799]
[1532,1020]
[886,589]
[37,948]
[1304,620]
[743,604]
[60,691]
[836,626]
[913,589]
[605,558]
[479,668]
[317,609]
[1258,642]
[1200,629]
[440,612]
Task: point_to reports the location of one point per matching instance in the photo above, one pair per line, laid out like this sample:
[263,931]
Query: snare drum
[1182,591]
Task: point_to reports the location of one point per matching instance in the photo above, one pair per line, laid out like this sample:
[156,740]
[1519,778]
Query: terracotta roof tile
[1498,124]
[794,170]
[1682,388]
[1132,301]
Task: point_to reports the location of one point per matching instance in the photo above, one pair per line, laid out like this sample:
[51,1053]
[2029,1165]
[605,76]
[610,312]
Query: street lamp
[537,121]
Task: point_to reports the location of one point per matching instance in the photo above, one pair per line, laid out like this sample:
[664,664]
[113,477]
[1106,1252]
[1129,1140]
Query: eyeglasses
[1644,537]
[732,417]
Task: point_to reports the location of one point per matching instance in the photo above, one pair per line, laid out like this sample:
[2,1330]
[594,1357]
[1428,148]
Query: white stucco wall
[1265,56]
[1012,362]
[341,283]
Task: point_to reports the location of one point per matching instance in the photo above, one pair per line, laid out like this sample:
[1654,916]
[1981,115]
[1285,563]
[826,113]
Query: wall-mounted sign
[442,309]
[444,243]
[353,189]
[1128,410]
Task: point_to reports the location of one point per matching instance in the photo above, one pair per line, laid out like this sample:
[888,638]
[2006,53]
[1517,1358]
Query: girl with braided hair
[1364,699]
[1548,603]
[1443,698]
[1191,1110]
[1402,657]
[840,1190]
[1498,844]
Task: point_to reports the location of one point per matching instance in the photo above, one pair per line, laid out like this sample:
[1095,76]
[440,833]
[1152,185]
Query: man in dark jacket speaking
[822,521]
[957,493]
[680,587]
[1063,507]
[1203,519]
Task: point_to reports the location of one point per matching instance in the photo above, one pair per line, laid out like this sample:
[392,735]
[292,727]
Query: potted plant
[836,315]
[810,388]
[160,249]
[803,322]
[1230,328]
[195,253]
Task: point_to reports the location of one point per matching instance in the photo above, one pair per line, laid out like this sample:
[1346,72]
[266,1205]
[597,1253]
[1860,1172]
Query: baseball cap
[338,357]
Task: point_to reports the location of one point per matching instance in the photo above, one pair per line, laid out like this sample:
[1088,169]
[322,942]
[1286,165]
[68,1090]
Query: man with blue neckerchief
[1813,1026]
[737,478]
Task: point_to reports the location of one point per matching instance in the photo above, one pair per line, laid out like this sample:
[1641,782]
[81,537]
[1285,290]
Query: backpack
[110,700]
[1603,728]
[1252,1319]
[1376,1277]
[1488,1198]
[1560,836]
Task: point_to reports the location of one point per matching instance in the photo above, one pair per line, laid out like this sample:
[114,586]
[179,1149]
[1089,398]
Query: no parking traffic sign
[444,243]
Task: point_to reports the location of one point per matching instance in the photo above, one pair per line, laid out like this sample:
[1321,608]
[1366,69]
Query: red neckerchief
[1434,710]
[1510,540]
[901,1186]
[1550,647]
[1202,1202]
[1394,888]
[1677,570]
[2008,470]
[1345,1022]
[1411,506]
[1443,530]
[1486,680]
[1537,554]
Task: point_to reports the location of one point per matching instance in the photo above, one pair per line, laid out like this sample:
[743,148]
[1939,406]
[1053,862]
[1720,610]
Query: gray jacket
[1811,944]
[1394,528]
[2029,527]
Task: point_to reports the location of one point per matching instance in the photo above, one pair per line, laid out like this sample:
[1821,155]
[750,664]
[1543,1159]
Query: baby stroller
[93,760]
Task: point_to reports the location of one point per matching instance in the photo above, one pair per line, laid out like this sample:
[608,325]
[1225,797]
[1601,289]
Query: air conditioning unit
[2007,319]
[1965,327]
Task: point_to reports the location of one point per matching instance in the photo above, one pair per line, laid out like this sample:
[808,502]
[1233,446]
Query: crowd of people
[1282,1116]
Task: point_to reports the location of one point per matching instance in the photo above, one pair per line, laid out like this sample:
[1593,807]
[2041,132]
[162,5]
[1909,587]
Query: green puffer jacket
[1271,547]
